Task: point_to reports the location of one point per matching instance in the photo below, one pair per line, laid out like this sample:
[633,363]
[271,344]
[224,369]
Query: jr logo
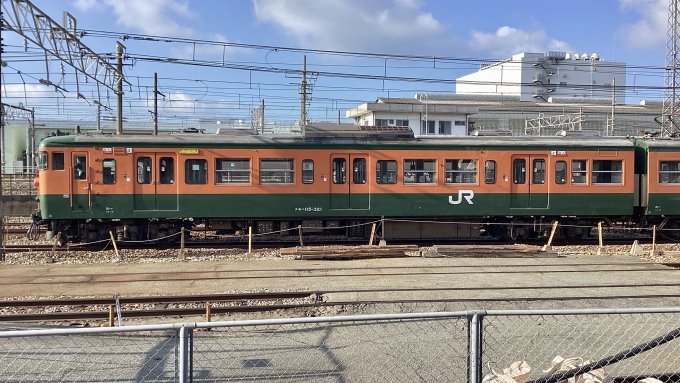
[467,194]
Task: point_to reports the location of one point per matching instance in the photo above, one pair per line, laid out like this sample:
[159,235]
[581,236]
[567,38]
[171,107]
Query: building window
[578,171]
[420,171]
[166,172]
[539,172]
[669,172]
[196,171]
[232,171]
[277,171]
[108,171]
[359,171]
[307,171]
[339,171]
[427,127]
[79,167]
[386,172]
[563,83]
[561,172]
[490,172]
[57,161]
[402,122]
[144,170]
[459,123]
[607,172]
[445,128]
[380,122]
[519,167]
[461,171]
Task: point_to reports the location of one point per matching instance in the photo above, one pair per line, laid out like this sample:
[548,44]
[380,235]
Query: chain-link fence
[428,347]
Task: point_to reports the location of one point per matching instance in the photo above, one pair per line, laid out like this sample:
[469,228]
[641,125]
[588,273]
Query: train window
[277,171]
[539,172]
[578,171]
[196,171]
[58,161]
[232,170]
[607,172]
[79,167]
[386,172]
[669,172]
[339,170]
[359,175]
[561,172]
[144,170]
[519,171]
[109,171]
[490,172]
[166,170]
[307,171]
[461,172]
[42,160]
[420,171]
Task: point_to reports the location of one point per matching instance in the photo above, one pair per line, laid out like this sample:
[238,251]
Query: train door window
[386,172]
[307,171]
[109,171]
[490,172]
[42,160]
[578,171]
[196,171]
[420,171]
[607,172]
[339,170]
[232,171]
[80,167]
[538,172]
[461,171]
[277,171]
[561,172]
[359,171]
[519,171]
[58,161]
[144,170]
[669,172]
[166,170]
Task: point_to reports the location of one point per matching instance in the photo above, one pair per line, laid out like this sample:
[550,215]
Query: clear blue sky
[455,33]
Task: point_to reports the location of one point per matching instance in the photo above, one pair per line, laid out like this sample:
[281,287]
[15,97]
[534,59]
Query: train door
[155,184]
[80,183]
[349,182]
[529,187]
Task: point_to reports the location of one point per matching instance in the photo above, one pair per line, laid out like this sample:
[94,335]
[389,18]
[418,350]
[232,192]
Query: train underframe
[424,228]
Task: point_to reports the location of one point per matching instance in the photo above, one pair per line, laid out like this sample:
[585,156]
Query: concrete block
[636,249]
[601,251]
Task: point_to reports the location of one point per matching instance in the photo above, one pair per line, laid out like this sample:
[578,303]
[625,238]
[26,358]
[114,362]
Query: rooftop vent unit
[488,133]
[578,133]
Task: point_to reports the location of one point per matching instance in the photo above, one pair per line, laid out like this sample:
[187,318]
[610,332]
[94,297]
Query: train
[325,180]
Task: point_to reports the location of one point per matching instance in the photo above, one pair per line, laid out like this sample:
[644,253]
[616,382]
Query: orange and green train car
[148,187]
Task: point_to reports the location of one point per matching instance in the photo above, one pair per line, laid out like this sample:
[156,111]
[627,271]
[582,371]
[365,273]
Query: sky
[219,59]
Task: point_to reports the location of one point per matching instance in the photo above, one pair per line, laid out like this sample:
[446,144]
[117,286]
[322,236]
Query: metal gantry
[671,109]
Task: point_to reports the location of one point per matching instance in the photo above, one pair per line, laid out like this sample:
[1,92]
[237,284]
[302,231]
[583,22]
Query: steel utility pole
[155,103]
[303,93]
[671,109]
[119,88]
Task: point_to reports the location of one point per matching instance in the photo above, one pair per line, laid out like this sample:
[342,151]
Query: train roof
[659,144]
[197,140]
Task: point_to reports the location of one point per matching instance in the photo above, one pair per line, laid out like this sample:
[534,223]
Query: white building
[538,76]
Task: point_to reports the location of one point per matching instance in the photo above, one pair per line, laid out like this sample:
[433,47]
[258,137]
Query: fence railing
[429,347]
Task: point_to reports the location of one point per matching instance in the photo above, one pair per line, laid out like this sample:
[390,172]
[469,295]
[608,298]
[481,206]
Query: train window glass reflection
[58,161]
[578,171]
[42,160]
[109,171]
[307,171]
[166,170]
[519,171]
[561,172]
[420,171]
[538,172]
[359,171]
[461,171]
[386,172]
[607,172]
[339,171]
[669,172]
[196,171]
[232,171]
[277,171]
[490,172]
[79,167]
[144,170]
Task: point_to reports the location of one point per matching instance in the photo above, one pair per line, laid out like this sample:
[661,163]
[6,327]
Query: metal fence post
[475,319]
[185,354]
